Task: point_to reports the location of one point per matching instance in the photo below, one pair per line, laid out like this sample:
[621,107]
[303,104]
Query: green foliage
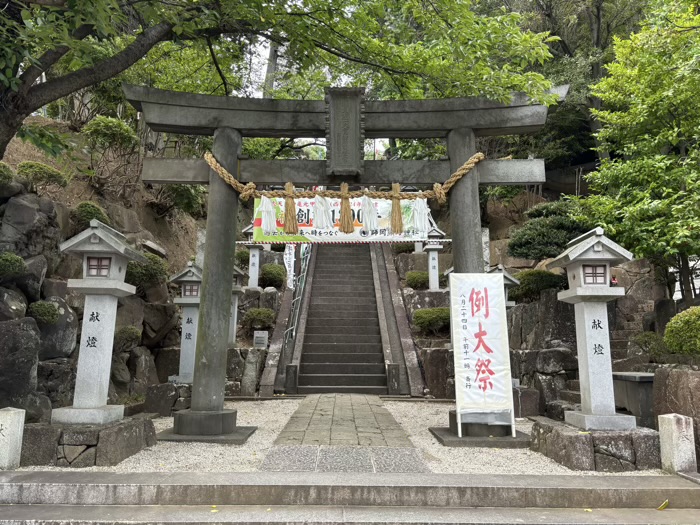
[651,343]
[417,280]
[44,312]
[272,275]
[432,321]
[258,319]
[44,138]
[403,247]
[85,212]
[11,265]
[682,334]
[550,228]
[190,198]
[154,271]
[242,258]
[41,175]
[126,338]
[534,282]
[6,174]
[279,248]
[106,133]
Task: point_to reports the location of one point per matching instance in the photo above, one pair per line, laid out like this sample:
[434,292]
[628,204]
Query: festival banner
[480,341]
[308,233]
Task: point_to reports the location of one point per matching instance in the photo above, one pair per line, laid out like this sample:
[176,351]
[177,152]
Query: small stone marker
[11,433]
[433,247]
[677,443]
[260,339]
[253,264]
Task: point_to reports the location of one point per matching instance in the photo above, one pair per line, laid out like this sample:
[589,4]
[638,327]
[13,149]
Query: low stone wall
[417,299]
[678,392]
[542,324]
[601,451]
[81,446]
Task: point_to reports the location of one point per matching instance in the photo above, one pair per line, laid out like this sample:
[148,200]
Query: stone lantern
[190,281]
[588,260]
[236,292]
[433,246]
[508,282]
[105,254]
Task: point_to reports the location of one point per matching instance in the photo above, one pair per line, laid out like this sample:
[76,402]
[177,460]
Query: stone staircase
[342,350]
[569,399]
[620,338]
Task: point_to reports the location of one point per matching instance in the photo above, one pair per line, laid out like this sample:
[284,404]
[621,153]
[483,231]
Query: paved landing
[343,420]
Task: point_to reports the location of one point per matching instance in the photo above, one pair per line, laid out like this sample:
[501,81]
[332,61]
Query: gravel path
[269,416]
[416,417]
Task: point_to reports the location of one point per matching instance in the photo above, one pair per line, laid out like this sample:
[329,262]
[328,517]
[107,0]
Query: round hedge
[85,212]
[272,275]
[44,312]
[403,247]
[258,319]
[41,174]
[417,280]
[682,334]
[432,320]
[242,258]
[6,174]
[153,271]
[533,283]
[11,265]
[126,338]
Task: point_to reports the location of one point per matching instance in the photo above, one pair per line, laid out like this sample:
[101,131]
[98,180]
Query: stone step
[369,301]
[574,384]
[359,294]
[323,312]
[570,396]
[342,368]
[555,409]
[328,348]
[342,357]
[619,353]
[347,339]
[342,271]
[345,260]
[333,329]
[342,380]
[646,306]
[622,334]
[349,489]
[340,308]
[320,280]
[339,389]
[343,288]
[324,514]
[360,322]
[620,344]
[635,326]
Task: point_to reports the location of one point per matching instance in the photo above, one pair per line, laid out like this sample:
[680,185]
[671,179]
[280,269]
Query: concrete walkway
[343,420]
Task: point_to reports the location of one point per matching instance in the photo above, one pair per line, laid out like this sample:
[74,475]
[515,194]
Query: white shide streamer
[323,220]
[370,221]
[421,216]
[269,216]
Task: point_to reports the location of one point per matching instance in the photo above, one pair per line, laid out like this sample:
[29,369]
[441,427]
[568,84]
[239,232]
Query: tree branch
[216,65]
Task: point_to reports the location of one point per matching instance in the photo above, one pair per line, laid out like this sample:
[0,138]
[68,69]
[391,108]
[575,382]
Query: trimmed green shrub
[682,334]
[85,212]
[272,275]
[432,320]
[559,208]
[44,312]
[126,338]
[534,282]
[403,247]
[155,270]
[11,265]
[278,247]
[6,173]
[242,258]
[651,343]
[105,133]
[258,319]
[39,174]
[417,280]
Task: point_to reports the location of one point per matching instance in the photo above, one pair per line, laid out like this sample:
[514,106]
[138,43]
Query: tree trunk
[10,122]
[686,286]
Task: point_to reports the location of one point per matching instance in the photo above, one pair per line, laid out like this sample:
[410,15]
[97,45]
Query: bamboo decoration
[290,211]
[347,225]
[396,218]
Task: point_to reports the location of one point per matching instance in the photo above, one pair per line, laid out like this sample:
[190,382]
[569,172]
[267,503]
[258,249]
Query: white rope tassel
[421,216]
[269,216]
[323,220]
[370,221]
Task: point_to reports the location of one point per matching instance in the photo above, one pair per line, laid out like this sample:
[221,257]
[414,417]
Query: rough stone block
[647,450]
[54,288]
[677,391]
[121,441]
[235,365]
[80,435]
[40,444]
[167,363]
[13,305]
[555,360]
[254,362]
[85,459]
[233,388]
[435,366]
[161,398]
[677,443]
[563,444]
[526,402]
[11,431]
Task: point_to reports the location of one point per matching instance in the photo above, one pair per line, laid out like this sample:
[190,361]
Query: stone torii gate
[345,119]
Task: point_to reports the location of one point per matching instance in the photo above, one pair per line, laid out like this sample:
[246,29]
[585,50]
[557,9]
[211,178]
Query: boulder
[157,293]
[158,321]
[123,440]
[56,380]
[9,190]
[130,311]
[549,387]
[124,219]
[523,365]
[160,399]
[555,360]
[664,310]
[39,444]
[120,374]
[30,283]
[142,366]
[269,299]
[677,391]
[29,227]
[417,299]
[59,339]
[20,341]
[167,363]
[435,366]
[54,288]
[13,305]
[254,362]
[249,299]
[232,389]
[235,365]
[538,324]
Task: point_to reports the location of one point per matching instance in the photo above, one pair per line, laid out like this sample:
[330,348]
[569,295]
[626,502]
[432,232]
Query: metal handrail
[291,331]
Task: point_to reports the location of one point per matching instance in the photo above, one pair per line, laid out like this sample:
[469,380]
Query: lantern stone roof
[248,229]
[191,274]
[592,246]
[508,279]
[100,238]
[436,232]
[238,271]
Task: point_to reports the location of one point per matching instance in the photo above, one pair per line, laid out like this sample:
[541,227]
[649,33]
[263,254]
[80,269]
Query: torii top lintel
[191,114]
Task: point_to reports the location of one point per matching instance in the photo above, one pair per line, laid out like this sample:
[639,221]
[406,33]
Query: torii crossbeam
[345,119]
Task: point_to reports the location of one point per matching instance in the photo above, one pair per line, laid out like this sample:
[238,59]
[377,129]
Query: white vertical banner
[480,341]
[289,264]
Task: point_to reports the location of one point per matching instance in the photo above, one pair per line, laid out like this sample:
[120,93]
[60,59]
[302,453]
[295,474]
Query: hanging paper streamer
[369,215]
[421,214]
[323,220]
[269,216]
